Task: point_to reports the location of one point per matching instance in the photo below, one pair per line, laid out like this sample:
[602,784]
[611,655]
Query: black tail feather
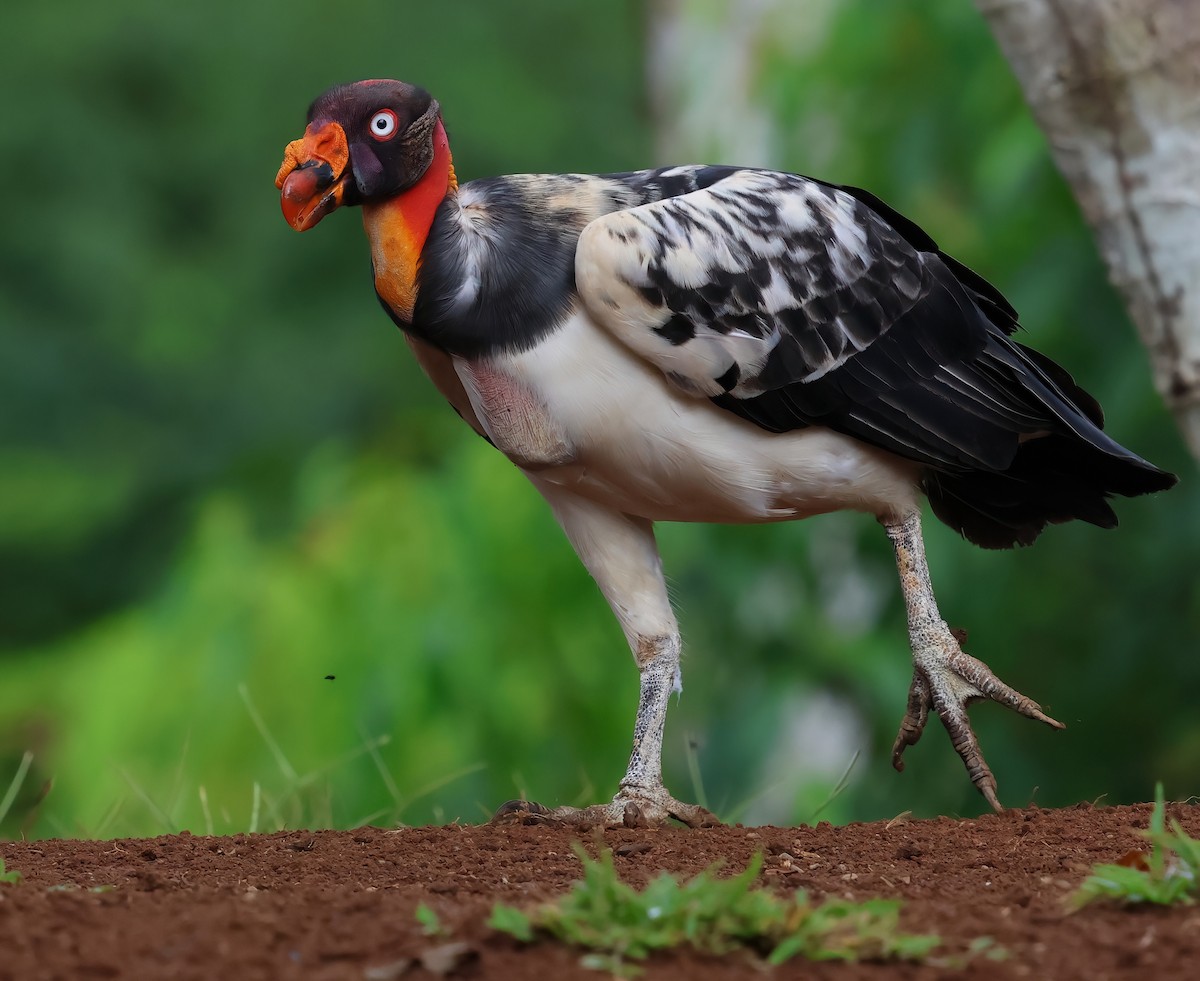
[1052,479]
[1063,470]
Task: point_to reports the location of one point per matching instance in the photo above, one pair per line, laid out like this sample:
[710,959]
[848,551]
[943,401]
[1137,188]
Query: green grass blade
[14,786]
[281,761]
[838,788]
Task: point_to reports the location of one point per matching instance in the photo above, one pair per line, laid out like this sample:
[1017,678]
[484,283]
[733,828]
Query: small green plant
[711,914]
[431,923]
[1169,874]
[11,876]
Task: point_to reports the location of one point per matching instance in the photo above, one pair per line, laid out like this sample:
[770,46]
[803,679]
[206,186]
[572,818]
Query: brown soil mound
[340,904]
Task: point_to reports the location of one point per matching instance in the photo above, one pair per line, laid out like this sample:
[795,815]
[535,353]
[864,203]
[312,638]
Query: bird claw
[947,679]
[640,808]
[520,812]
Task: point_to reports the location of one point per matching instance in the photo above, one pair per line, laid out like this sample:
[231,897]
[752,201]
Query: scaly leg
[620,553]
[944,677]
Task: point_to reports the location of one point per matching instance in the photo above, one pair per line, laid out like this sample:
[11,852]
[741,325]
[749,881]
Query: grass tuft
[713,915]
[1168,874]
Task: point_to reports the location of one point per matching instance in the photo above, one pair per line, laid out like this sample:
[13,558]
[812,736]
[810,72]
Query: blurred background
[253,571]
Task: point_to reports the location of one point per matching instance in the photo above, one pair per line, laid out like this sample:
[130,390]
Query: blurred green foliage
[220,468]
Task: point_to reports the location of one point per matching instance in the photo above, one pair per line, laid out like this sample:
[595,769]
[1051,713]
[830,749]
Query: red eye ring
[383,125]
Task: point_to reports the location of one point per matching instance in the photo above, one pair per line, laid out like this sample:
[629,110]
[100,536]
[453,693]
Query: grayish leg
[620,553]
[944,677]
[658,662]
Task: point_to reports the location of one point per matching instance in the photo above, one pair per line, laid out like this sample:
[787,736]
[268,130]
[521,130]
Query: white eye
[383,124]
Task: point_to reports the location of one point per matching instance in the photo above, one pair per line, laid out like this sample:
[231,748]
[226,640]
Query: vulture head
[365,142]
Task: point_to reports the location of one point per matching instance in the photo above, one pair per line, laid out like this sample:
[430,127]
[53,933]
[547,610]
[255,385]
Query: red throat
[399,227]
[419,203]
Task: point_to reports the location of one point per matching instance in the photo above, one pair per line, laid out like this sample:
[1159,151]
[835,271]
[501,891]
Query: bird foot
[633,807]
[948,679]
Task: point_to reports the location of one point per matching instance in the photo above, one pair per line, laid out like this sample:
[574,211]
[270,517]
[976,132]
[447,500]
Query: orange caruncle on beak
[312,178]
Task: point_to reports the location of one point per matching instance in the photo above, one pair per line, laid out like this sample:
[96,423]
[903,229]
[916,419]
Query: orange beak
[312,179]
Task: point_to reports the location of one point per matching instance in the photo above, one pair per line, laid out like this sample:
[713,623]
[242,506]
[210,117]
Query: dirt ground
[341,904]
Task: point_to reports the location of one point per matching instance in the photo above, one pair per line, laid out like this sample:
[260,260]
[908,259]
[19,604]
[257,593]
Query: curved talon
[645,810]
[632,817]
[979,676]
[695,816]
[949,681]
[913,723]
[519,811]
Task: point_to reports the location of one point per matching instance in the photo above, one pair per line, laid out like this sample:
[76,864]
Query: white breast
[643,446]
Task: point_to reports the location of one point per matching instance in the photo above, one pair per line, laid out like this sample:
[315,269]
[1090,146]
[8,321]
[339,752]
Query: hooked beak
[313,177]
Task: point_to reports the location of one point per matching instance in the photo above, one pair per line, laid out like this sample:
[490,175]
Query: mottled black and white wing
[759,274]
[792,303]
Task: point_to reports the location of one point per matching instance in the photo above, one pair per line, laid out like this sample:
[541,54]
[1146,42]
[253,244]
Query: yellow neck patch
[395,253]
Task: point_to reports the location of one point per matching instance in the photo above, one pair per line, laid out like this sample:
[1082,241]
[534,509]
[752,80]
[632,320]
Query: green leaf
[431,923]
[510,920]
[11,876]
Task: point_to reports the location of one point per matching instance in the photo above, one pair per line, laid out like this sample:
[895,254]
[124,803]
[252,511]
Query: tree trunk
[1115,86]
[700,71]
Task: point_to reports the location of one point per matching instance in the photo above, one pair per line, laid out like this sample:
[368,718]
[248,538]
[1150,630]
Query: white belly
[646,448]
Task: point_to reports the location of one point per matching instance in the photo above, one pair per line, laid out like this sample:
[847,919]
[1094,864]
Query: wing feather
[792,302]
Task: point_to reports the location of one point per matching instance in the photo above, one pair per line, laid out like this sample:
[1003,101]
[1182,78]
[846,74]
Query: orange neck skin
[399,226]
